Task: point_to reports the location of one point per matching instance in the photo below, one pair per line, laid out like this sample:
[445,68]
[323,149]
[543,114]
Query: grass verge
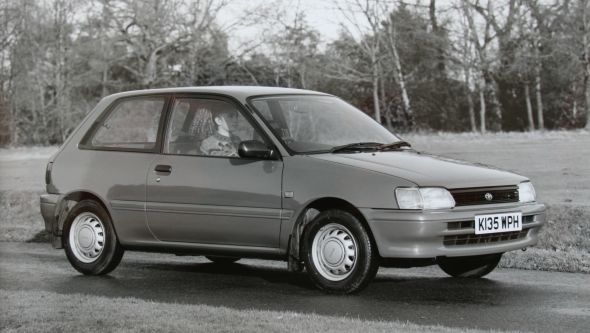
[572,261]
[26,311]
[20,217]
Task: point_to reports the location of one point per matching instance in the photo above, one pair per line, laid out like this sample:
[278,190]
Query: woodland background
[424,65]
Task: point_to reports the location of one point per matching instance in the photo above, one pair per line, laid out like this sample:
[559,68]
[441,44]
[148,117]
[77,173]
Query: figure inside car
[222,142]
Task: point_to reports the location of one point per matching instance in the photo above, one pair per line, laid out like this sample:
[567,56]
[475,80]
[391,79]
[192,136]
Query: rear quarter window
[129,124]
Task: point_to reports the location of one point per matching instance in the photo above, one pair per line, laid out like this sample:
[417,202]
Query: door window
[207,127]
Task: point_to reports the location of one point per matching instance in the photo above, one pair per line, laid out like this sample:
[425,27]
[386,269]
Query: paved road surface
[507,300]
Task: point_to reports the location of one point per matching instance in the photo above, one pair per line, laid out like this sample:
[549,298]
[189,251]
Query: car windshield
[319,124]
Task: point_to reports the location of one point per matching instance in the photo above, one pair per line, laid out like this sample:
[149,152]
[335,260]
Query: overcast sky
[320,15]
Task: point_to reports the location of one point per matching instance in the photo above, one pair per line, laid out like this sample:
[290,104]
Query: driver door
[196,194]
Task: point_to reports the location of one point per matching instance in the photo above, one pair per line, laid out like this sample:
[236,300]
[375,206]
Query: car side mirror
[255,149]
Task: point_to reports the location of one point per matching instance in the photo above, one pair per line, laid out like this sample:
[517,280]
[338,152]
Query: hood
[426,170]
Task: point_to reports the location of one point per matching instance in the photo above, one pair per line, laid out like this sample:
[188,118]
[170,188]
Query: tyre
[222,260]
[339,254]
[469,267]
[90,240]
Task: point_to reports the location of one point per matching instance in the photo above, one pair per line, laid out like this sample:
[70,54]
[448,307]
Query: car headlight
[526,192]
[423,198]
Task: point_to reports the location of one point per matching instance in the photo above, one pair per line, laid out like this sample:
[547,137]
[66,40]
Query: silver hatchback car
[275,173]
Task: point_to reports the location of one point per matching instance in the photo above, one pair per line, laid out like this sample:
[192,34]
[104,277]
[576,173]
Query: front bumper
[430,234]
[49,211]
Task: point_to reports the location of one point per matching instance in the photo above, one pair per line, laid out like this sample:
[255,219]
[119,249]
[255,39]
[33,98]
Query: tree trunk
[496,107]
[488,82]
[103,49]
[471,111]
[302,78]
[586,57]
[470,104]
[441,66]
[538,96]
[386,107]
[529,107]
[150,69]
[62,97]
[288,75]
[375,78]
[587,91]
[392,47]
[4,118]
[540,116]
[482,109]
[467,66]
[402,86]
[12,124]
[575,103]
[587,94]
[105,78]
[376,107]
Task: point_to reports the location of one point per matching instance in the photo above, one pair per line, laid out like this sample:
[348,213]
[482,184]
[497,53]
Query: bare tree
[9,20]
[438,32]
[539,18]
[151,29]
[293,44]
[524,65]
[585,31]
[390,37]
[61,71]
[503,34]
[486,80]
[529,107]
[360,14]
[467,65]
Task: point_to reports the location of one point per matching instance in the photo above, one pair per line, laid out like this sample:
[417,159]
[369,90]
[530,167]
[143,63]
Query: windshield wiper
[356,147]
[393,146]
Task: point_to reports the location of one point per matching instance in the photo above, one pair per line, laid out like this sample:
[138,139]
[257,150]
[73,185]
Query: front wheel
[469,267]
[338,252]
[90,241]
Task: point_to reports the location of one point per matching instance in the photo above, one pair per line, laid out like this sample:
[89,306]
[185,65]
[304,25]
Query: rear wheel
[90,241]
[222,260]
[339,254]
[469,267]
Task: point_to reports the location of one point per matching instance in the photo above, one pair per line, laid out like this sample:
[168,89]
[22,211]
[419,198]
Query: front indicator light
[526,192]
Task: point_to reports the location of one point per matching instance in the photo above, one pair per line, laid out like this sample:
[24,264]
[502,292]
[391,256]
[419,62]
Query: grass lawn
[558,163]
[52,312]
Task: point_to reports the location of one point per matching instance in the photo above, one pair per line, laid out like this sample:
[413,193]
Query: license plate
[492,223]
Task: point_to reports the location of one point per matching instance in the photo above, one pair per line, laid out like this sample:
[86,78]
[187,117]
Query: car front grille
[485,195]
[472,239]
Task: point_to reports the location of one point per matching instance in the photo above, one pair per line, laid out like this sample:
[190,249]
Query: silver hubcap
[87,237]
[334,252]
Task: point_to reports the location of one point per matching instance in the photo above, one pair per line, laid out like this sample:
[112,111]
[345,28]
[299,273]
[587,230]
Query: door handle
[163,168]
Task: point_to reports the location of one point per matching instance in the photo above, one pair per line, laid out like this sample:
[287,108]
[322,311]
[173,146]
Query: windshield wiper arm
[394,145]
[356,146]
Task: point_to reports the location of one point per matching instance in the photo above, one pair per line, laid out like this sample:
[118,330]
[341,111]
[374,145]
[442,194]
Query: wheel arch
[306,215]
[69,200]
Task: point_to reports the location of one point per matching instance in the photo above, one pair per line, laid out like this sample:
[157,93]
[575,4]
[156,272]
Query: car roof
[239,92]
